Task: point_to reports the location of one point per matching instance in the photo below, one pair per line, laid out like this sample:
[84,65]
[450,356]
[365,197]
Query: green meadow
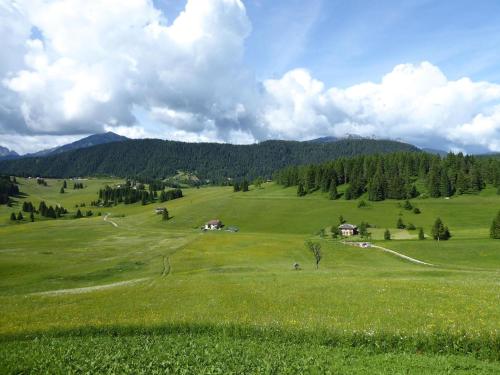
[135,294]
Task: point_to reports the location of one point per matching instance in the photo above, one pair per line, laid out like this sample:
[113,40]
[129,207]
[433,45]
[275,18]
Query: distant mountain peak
[329,138]
[5,153]
[91,140]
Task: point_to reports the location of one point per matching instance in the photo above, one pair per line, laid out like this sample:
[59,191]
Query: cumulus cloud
[416,103]
[74,67]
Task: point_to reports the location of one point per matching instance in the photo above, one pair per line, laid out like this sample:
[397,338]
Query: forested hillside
[394,175]
[216,162]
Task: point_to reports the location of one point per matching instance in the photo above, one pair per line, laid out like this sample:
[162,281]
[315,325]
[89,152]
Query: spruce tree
[13,216]
[440,231]
[65,184]
[78,214]
[32,217]
[62,190]
[400,224]
[387,235]
[164,215]
[421,235]
[444,185]
[333,193]
[495,227]
[20,216]
[244,186]
[407,205]
[300,190]
[236,188]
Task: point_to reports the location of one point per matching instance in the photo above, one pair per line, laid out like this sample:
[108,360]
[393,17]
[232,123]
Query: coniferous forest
[211,162]
[8,188]
[394,176]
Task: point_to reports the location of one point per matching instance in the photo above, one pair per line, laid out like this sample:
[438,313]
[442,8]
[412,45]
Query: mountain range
[214,162]
[92,140]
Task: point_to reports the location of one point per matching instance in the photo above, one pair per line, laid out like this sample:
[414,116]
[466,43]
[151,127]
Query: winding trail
[406,257]
[110,221]
[88,289]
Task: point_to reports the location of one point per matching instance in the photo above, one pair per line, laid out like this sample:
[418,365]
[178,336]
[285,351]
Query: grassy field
[146,295]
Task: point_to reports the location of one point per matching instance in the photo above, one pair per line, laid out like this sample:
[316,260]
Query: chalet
[215,224]
[348,230]
[160,210]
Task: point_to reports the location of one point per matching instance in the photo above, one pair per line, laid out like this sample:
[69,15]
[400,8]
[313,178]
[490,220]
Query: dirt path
[88,289]
[410,259]
[110,221]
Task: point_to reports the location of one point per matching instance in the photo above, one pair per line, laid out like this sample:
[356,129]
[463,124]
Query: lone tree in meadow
[495,227]
[387,235]
[164,215]
[400,224]
[421,235]
[440,231]
[315,248]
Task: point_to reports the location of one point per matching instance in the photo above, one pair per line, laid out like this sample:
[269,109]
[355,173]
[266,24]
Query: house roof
[214,222]
[347,226]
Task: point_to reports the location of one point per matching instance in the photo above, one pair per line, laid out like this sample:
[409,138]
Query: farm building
[213,225]
[348,230]
[160,210]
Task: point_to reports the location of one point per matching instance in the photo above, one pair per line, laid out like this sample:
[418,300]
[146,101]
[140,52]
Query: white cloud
[413,102]
[114,65]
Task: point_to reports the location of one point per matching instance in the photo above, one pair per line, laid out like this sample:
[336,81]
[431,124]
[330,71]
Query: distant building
[213,225]
[348,230]
[160,210]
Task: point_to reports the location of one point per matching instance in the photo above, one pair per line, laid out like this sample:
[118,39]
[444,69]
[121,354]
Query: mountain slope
[5,153]
[215,161]
[91,140]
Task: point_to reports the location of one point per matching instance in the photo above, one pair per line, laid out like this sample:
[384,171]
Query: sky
[421,71]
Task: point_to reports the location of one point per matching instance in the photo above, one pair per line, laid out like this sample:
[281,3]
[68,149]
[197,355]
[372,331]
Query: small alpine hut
[215,224]
[348,230]
[160,210]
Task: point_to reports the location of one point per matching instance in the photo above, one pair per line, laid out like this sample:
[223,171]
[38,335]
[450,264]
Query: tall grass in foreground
[482,346]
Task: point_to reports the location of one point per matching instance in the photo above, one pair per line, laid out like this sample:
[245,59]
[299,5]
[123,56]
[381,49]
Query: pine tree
[244,186]
[387,235]
[376,188]
[32,217]
[444,185]
[165,216]
[421,235]
[300,190]
[400,224]
[433,181]
[62,190]
[236,188]
[440,231]
[51,212]
[495,227]
[407,205]
[13,216]
[332,193]
[20,216]
[78,214]
[65,185]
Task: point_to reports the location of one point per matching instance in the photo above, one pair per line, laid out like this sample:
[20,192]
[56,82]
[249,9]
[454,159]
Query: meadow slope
[71,288]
